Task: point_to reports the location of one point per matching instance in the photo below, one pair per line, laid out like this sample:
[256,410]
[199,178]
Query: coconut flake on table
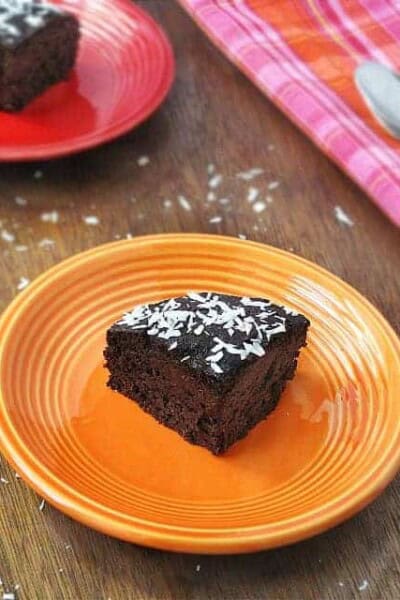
[91,220]
[242,236]
[198,567]
[259,206]
[42,505]
[7,236]
[216,219]
[143,161]
[211,197]
[252,194]
[343,217]
[184,203]
[224,201]
[50,217]
[23,283]
[167,203]
[45,243]
[20,201]
[3,480]
[250,174]
[38,174]
[215,181]
[273,185]
[8,596]
[363,585]
[210,168]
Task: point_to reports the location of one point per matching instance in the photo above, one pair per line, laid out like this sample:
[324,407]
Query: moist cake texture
[210,366]
[38,47]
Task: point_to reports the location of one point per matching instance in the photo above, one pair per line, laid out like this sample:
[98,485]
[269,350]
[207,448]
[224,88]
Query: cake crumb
[215,220]
[252,194]
[61,570]
[259,206]
[42,505]
[7,236]
[129,236]
[143,161]
[215,181]
[342,217]
[91,220]
[38,174]
[16,587]
[185,204]
[17,476]
[198,567]
[363,585]
[50,217]
[20,201]
[23,283]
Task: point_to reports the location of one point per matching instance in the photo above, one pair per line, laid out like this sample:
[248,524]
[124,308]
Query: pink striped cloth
[302,54]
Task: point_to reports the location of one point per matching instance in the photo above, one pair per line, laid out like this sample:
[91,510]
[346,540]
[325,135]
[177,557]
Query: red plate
[124,70]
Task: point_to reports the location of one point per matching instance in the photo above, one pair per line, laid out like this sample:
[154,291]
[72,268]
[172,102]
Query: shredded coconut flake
[42,505]
[38,174]
[342,217]
[273,185]
[20,201]
[8,596]
[252,194]
[259,206]
[167,203]
[184,202]
[21,248]
[46,243]
[215,220]
[210,168]
[198,567]
[91,220]
[224,201]
[7,236]
[215,181]
[363,585]
[211,197]
[143,161]
[3,480]
[250,174]
[50,217]
[23,283]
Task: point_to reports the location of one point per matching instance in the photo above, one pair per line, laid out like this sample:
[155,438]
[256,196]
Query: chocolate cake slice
[38,46]
[209,366]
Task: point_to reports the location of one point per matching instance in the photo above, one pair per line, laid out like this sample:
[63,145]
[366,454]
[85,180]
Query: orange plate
[331,446]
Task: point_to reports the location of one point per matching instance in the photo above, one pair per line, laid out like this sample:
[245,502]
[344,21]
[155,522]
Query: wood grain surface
[213,115]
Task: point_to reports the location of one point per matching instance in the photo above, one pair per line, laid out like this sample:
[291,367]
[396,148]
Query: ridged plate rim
[234,540]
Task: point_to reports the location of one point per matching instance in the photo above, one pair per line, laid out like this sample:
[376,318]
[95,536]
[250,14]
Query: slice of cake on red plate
[210,366]
[38,47]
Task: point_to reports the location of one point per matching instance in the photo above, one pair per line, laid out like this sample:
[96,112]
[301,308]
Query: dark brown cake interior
[208,408]
[35,57]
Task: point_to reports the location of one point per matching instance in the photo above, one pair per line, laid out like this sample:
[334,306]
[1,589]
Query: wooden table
[213,115]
